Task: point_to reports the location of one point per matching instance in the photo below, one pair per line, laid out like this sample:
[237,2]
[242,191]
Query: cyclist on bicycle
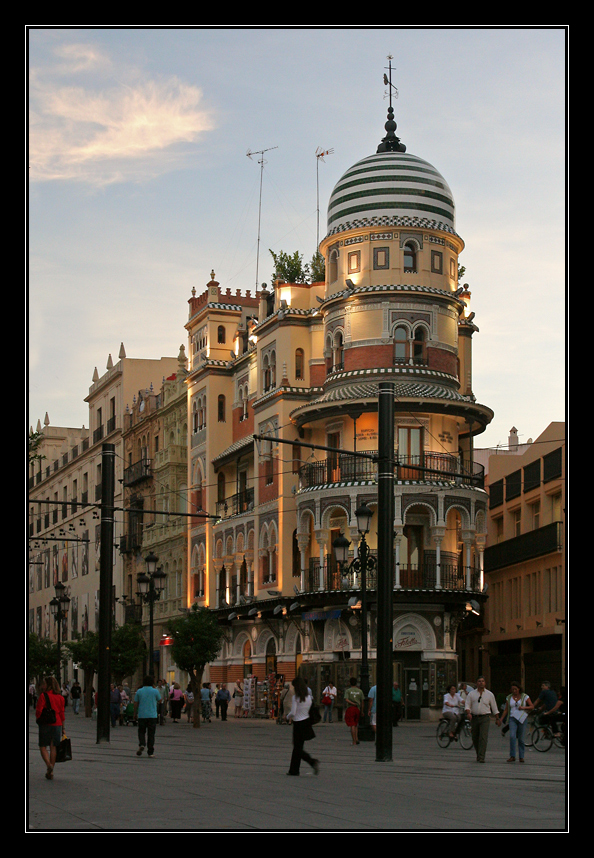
[549,702]
[453,707]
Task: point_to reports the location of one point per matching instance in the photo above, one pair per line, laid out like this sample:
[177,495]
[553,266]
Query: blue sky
[139,184]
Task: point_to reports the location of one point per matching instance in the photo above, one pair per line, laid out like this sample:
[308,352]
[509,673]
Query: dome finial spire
[390,143]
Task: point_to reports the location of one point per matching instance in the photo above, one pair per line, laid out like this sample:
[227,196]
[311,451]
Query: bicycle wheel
[443,734]
[465,737]
[529,735]
[542,739]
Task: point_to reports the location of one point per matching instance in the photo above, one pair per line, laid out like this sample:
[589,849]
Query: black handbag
[47,714]
[64,751]
[314,714]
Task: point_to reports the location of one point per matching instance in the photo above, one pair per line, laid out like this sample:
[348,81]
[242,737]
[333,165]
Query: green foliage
[35,439]
[42,657]
[128,649]
[290,268]
[197,640]
[318,268]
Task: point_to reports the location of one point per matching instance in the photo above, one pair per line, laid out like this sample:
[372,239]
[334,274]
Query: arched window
[419,347]
[338,352]
[221,336]
[221,408]
[400,345]
[410,257]
[299,363]
[333,266]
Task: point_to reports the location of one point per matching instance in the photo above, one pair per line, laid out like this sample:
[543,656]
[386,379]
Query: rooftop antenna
[319,157]
[261,162]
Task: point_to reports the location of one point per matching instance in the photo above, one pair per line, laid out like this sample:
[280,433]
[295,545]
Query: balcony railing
[411,577]
[427,467]
[140,470]
[236,504]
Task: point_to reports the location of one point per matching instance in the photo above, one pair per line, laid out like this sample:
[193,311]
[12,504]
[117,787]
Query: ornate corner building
[282,402]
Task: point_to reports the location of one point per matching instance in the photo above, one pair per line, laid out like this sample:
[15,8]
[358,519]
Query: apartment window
[517,522]
[534,511]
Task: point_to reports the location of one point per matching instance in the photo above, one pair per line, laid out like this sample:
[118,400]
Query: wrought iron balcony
[428,467]
[236,504]
[140,470]
[411,577]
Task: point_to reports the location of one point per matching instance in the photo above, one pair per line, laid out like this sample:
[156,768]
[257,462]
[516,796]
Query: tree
[290,268]
[318,268]
[128,649]
[196,642]
[85,653]
[35,439]
[42,657]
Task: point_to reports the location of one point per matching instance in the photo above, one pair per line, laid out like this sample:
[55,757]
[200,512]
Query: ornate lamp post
[59,609]
[360,564]
[150,586]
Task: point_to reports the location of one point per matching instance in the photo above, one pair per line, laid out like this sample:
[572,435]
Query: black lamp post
[361,564]
[150,586]
[59,609]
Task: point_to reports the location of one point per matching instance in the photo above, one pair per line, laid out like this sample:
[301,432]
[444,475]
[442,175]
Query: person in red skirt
[354,700]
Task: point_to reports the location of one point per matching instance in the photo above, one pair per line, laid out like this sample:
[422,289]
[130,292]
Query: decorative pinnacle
[390,143]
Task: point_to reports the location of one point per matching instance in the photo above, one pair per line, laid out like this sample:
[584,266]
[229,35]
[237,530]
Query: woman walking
[517,706]
[302,729]
[50,717]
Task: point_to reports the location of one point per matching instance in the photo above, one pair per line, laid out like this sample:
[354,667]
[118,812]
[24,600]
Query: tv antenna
[261,162]
[320,153]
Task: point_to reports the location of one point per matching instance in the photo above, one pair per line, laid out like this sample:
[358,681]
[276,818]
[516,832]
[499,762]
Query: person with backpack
[517,706]
[50,717]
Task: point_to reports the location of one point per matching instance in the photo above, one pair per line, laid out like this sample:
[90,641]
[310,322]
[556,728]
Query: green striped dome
[391,189]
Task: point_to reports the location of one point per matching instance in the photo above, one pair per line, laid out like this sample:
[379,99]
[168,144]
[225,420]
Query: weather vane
[390,143]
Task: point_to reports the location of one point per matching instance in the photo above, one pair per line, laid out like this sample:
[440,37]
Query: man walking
[222,700]
[75,695]
[146,702]
[480,705]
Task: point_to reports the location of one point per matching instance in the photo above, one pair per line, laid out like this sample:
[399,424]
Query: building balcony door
[410,452]
[411,568]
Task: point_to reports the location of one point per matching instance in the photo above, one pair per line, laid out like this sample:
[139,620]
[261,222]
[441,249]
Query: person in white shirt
[328,695]
[452,708]
[480,705]
[302,729]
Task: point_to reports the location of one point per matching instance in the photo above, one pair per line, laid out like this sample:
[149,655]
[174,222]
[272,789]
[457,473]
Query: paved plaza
[231,776]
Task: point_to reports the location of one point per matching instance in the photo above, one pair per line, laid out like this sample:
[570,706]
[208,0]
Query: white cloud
[109,133]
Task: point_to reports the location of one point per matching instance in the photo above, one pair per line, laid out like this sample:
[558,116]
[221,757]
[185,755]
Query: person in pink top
[50,734]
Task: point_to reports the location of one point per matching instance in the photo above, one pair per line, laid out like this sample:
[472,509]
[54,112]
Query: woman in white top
[302,729]
[517,707]
[452,708]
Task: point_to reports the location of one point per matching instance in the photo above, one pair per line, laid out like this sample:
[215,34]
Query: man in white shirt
[480,705]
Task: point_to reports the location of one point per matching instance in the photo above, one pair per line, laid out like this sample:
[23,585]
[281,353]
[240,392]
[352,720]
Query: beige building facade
[525,632]
[65,498]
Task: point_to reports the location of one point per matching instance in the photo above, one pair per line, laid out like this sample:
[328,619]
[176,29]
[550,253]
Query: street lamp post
[59,609]
[150,586]
[361,564]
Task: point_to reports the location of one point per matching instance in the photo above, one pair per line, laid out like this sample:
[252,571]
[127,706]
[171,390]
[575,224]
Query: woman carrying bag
[302,727]
[50,717]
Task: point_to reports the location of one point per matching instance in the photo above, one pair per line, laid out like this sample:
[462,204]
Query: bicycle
[543,737]
[462,734]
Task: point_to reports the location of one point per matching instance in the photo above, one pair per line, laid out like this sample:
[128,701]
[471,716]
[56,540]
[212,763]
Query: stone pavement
[231,776]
